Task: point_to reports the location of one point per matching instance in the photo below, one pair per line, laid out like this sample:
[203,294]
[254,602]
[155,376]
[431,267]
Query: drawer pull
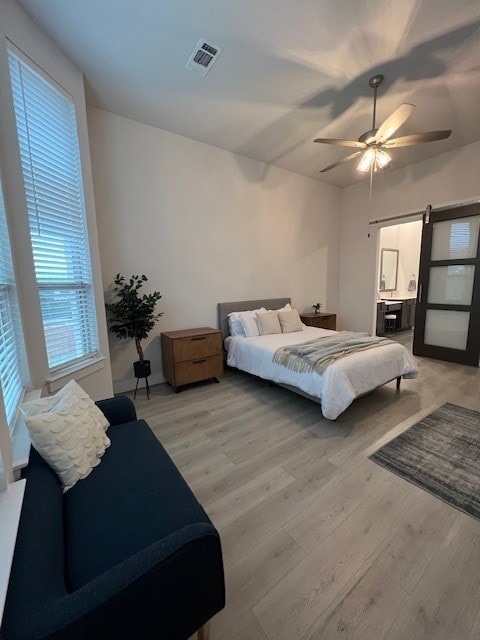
[199,361]
[198,338]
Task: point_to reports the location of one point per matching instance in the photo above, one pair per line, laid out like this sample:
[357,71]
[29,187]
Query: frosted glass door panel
[451,285]
[447,328]
[455,239]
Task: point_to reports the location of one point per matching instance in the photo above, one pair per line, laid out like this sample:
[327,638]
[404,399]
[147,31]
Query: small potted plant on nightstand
[316,306]
[133,316]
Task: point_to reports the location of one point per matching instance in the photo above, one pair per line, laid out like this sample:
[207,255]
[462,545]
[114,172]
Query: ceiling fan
[374,144]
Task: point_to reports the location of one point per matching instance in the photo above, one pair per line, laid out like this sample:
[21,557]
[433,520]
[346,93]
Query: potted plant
[317,306]
[133,316]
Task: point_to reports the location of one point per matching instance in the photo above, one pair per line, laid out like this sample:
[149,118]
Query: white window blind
[47,132]
[11,339]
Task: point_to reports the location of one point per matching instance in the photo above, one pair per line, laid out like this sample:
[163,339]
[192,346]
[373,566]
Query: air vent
[203,57]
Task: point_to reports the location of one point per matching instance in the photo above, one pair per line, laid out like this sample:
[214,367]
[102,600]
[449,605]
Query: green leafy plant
[132,315]
[317,306]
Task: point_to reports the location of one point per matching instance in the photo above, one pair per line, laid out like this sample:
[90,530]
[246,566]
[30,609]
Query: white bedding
[342,381]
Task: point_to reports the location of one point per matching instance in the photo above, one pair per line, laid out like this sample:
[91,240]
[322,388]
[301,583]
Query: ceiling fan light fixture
[374,158]
[382,158]
[366,160]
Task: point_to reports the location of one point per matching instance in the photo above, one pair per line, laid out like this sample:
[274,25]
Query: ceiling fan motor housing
[376,81]
[368,137]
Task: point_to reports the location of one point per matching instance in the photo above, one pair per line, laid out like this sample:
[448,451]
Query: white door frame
[375,236]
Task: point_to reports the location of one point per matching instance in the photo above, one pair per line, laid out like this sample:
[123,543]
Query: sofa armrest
[170,589]
[118,410]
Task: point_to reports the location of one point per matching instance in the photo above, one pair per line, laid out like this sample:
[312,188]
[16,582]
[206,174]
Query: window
[11,339]
[48,140]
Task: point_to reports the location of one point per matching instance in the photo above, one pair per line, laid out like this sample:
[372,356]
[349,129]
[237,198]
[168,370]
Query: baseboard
[120,386]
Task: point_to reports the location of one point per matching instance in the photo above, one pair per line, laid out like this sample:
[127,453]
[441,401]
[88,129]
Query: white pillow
[290,321]
[68,439]
[235,325]
[268,323]
[287,307]
[43,405]
[248,320]
[237,328]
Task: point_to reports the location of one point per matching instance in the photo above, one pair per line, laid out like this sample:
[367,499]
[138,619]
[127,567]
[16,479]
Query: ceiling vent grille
[203,57]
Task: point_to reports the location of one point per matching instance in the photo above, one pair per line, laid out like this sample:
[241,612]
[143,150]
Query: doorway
[398,260]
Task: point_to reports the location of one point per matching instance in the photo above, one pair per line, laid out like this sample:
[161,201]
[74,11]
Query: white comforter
[342,381]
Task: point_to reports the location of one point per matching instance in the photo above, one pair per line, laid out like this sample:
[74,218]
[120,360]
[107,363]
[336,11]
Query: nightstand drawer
[195,347]
[198,369]
[320,320]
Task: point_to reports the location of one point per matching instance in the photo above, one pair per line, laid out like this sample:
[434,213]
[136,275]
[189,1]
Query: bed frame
[224,308]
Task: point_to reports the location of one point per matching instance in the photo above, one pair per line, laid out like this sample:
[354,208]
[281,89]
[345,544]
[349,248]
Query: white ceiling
[290,71]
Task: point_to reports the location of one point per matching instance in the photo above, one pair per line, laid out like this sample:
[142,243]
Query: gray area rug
[440,454]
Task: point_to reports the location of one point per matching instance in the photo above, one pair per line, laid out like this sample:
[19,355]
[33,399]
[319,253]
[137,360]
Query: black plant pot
[142,369]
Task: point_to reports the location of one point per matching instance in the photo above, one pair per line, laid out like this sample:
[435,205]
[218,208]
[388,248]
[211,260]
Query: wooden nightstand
[320,320]
[192,355]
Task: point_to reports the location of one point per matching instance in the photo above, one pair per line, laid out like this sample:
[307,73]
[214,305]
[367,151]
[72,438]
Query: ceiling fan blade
[417,138]
[394,122]
[339,142]
[339,162]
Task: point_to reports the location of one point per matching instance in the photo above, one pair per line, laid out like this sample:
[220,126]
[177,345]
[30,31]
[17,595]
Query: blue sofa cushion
[38,569]
[133,498]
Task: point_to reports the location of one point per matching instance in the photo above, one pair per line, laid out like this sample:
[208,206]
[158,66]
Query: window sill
[78,371]
[21,439]
[20,448]
[10,508]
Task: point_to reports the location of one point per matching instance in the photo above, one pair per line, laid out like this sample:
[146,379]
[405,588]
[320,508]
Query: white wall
[18,28]
[449,178]
[409,243]
[206,226]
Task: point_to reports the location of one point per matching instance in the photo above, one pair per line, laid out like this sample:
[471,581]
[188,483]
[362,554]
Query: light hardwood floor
[320,543]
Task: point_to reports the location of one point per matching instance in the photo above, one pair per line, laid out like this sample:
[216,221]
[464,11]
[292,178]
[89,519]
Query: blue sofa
[127,553]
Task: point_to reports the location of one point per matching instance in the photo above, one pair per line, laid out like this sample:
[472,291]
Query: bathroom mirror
[388,270]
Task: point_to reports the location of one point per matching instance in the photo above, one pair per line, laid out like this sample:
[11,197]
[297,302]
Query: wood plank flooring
[320,543]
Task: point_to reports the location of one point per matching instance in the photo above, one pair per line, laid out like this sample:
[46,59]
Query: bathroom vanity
[403,308]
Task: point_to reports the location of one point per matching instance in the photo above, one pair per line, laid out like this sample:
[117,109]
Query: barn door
[447,322]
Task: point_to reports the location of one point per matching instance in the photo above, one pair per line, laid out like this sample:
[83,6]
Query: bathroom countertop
[398,297]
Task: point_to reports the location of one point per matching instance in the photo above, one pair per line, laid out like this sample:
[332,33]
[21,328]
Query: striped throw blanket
[317,355]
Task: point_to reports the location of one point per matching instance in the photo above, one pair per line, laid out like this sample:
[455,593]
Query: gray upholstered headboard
[224,308]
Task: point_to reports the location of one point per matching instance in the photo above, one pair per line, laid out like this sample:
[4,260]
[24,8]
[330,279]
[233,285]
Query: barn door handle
[420,291]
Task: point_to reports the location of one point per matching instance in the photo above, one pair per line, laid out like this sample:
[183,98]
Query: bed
[338,386]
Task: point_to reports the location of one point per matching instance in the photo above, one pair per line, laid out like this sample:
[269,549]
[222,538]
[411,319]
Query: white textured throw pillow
[43,405]
[95,413]
[70,437]
[290,321]
[268,323]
